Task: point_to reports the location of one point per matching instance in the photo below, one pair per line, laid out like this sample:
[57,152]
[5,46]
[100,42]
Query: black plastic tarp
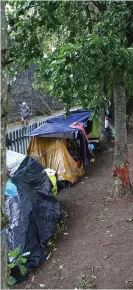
[33,213]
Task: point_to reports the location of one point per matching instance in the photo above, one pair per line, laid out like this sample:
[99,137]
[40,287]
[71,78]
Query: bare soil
[96,248]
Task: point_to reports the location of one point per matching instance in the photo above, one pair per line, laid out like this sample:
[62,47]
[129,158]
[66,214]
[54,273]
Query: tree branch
[100,6]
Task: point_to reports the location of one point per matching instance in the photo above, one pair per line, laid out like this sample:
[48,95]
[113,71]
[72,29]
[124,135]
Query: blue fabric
[91,146]
[59,127]
[11,189]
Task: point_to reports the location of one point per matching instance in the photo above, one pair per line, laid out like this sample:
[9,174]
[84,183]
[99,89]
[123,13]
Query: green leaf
[60,56]
[22,260]
[23,270]
[11,281]
[11,266]
[14,253]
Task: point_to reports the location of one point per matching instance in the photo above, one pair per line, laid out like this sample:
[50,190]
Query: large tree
[121,27]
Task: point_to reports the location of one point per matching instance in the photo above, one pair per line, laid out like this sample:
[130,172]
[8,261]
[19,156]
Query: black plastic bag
[33,214]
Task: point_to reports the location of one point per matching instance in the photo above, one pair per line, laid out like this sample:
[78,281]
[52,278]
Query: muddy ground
[96,248]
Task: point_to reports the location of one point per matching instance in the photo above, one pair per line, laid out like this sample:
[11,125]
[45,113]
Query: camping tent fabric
[52,153]
[95,129]
[59,126]
[33,213]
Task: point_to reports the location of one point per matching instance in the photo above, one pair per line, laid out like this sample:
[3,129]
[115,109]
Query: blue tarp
[59,126]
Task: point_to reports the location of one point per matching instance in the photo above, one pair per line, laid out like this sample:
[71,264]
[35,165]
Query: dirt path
[98,249]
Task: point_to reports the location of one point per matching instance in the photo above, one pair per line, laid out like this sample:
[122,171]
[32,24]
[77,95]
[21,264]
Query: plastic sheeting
[52,153]
[33,213]
[13,160]
[11,189]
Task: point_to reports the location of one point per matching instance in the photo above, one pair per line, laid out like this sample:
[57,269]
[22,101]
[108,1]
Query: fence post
[11,141]
[20,139]
[14,140]
[17,140]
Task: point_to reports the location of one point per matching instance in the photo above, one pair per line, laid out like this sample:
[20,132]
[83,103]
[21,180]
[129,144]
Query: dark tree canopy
[75,44]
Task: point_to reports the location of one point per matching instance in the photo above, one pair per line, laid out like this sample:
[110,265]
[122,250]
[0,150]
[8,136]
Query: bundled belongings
[33,212]
[86,153]
[74,150]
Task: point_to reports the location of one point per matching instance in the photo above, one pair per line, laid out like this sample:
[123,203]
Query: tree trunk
[122,183]
[4,112]
[102,131]
[67,109]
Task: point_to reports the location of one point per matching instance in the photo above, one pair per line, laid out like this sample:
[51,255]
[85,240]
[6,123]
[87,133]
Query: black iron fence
[19,139]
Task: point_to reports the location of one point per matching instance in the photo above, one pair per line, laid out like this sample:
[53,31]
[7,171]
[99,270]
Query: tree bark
[122,183]
[4,112]
[102,131]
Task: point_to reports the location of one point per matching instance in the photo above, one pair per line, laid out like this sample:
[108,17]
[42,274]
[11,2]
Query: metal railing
[19,139]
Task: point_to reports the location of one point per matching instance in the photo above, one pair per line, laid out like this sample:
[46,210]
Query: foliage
[11,281]
[75,44]
[15,259]
[32,25]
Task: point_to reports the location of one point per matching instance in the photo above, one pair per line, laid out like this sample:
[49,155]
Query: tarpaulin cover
[54,154]
[13,160]
[33,212]
[59,126]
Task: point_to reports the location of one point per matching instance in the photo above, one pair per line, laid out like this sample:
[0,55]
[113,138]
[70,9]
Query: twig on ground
[113,243]
[92,273]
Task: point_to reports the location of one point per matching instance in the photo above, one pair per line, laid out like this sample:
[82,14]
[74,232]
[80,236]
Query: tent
[49,144]
[93,135]
[52,153]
